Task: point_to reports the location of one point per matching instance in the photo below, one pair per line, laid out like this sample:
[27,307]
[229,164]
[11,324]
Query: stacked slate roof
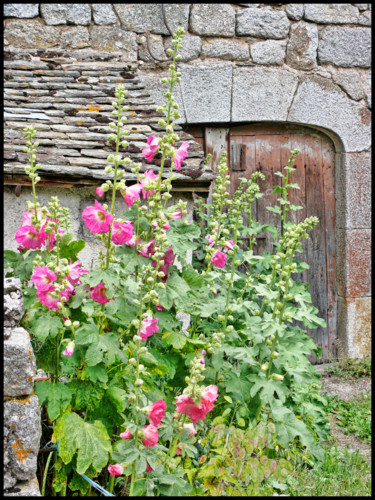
[67,98]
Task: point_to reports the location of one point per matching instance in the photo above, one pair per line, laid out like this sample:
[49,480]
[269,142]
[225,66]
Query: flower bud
[276,376]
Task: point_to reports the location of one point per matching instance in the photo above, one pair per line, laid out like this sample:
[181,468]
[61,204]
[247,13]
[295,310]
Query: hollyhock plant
[26,217]
[96,218]
[150,436]
[69,350]
[43,277]
[210,239]
[126,435]
[149,177]
[115,470]
[180,155]
[47,299]
[186,406]
[156,412]
[148,327]
[149,468]
[151,151]
[131,194]
[30,238]
[99,294]
[75,272]
[122,232]
[176,215]
[229,245]
[219,259]
[147,249]
[99,191]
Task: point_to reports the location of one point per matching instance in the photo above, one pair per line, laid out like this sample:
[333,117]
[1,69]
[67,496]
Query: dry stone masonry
[22,424]
[241,63]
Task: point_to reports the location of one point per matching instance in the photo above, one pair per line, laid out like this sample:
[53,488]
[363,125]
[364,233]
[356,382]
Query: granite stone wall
[242,63]
[22,420]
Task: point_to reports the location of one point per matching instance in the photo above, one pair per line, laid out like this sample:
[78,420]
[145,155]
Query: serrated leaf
[46,325]
[71,250]
[89,440]
[181,236]
[192,278]
[57,396]
[176,339]
[275,210]
[96,373]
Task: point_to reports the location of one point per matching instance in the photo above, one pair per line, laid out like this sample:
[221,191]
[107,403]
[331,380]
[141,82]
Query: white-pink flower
[69,350]
[229,244]
[180,155]
[132,193]
[151,151]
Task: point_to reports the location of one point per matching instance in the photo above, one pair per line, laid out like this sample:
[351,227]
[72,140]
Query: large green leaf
[176,339]
[89,440]
[56,396]
[181,236]
[176,289]
[46,325]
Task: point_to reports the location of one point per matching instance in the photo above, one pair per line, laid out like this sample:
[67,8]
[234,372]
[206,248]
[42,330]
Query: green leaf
[275,210]
[87,334]
[72,250]
[227,398]
[97,373]
[94,354]
[126,311]
[176,289]
[296,207]
[176,339]
[46,325]
[294,186]
[89,440]
[181,236]
[192,278]
[56,396]
[239,386]
[87,395]
[108,277]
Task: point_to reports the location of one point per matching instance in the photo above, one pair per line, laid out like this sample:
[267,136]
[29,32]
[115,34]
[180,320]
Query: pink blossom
[156,412]
[47,300]
[149,468]
[30,238]
[180,155]
[229,244]
[150,177]
[186,406]
[99,191]
[159,307]
[99,294]
[75,272]
[210,393]
[115,470]
[43,277]
[192,429]
[168,261]
[126,435]
[122,232]
[96,218]
[178,451]
[132,193]
[26,217]
[131,242]
[210,239]
[219,259]
[147,249]
[176,215]
[148,327]
[150,436]
[69,350]
[69,290]
[150,152]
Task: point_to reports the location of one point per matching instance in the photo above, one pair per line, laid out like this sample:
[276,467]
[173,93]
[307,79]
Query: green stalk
[232,271]
[45,473]
[111,484]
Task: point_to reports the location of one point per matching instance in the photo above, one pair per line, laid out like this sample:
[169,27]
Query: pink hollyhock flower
[229,244]
[69,350]
[210,239]
[210,393]
[96,218]
[176,215]
[115,470]
[148,327]
[99,191]
[168,261]
[180,155]
[149,468]
[131,242]
[126,435]
[69,290]
[219,259]
[192,429]
[26,217]
[30,238]
[186,406]
[43,277]
[159,307]
[47,300]
[150,152]
[122,232]
[147,250]
[150,177]
[98,294]
[75,272]
[166,225]
[150,436]
[132,193]
[156,412]
[178,451]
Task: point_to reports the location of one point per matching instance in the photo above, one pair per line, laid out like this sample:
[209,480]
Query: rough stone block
[25,489]
[112,39]
[354,327]
[74,38]
[191,47]
[21,10]
[206,92]
[31,34]
[143,17]
[14,308]
[351,82]
[22,420]
[231,50]
[365,18]
[302,46]
[269,52]
[320,102]
[331,13]
[19,364]
[263,23]
[262,93]
[103,13]
[54,13]
[354,248]
[361,6]
[344,46]
[79,13]
[156,47]
[294,11]
[212,20]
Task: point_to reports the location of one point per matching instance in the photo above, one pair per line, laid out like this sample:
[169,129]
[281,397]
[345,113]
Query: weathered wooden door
[266,147]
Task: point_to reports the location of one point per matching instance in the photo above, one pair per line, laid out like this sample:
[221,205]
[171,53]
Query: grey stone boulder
[263,23]
[31,34]
[79,13]
[294,11]
[268,52]
[331,13]
[54,13]
[74,37]
[113,39]
[345,46]
[25,489]
[301,52]
[156,47]
[14,308]
[148,17]
[103,13]
[191,47]
[23,422]
[213,20]
[21,10]
[19,363]
[231,50]
[351,82]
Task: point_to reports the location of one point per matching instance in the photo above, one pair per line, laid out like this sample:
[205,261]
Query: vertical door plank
[216,139]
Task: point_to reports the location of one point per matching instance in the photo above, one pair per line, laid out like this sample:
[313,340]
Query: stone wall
[242,63]
[22,420]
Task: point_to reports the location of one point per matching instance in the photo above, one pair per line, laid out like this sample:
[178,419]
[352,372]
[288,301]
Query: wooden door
[266,147]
